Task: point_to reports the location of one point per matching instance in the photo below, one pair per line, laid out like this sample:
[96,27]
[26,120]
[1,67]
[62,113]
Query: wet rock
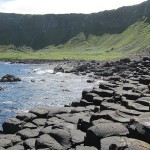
[1,88]
[11,126]
[46,141]
[125,60]
[96,133]
[59,68]
[26,116]
[9,78]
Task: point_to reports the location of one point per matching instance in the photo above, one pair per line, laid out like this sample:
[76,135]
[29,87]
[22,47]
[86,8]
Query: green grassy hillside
[108,46]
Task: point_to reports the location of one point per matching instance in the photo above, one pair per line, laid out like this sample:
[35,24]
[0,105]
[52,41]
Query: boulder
[29,143]
[59,68]
[26,116]
[11,126]
[9,78]
[103,130]
[29,133]
[77,137]
[63,137]
[16,147]
[5,143]
[46,141]
[39,112]
[124,143]
[103,93]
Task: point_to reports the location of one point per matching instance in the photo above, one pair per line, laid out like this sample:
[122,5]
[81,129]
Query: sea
[39,87]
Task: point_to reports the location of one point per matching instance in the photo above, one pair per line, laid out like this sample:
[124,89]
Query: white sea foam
[45,71]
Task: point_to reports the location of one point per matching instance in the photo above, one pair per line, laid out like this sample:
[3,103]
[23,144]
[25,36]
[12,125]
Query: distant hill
[39,31]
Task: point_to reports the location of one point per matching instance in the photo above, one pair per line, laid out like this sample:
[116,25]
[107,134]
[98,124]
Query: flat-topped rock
[117,142]
[97,132]
[11,126]
[46,141]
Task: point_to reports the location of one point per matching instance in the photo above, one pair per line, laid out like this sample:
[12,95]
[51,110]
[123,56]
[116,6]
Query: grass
[105,47]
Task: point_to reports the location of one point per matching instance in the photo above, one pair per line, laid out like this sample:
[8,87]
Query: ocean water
[39,87]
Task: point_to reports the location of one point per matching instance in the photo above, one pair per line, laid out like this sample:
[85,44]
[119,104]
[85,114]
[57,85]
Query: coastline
[112,115]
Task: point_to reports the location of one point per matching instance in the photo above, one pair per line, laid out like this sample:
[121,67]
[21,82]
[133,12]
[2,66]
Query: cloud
[61,6]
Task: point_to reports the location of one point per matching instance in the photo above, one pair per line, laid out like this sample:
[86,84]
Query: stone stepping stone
[29,133]
[63,137]
[144,101]
[12,137]
[39,121]
[53,111]
[103,130]
[16,147]
[132,95]
[116,142]
[73,118]
[29,125]
[138,107]
[26,116]
[5,143]
[46,141]
[103,93]
[11,126]
[40,112]
[29,143]
[77,137]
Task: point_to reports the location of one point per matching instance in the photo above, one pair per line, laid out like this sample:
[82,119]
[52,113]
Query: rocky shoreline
[114,115]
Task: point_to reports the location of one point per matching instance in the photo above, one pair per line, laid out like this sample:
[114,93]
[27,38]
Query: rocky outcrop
[113,115]
[9,78]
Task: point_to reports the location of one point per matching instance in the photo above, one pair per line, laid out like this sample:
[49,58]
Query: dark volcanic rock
[11,126]
[62,137]
[9,78]
[46,141]
[59,69]
[95,133]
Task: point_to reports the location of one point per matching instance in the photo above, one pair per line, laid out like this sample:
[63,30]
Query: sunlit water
[39,87]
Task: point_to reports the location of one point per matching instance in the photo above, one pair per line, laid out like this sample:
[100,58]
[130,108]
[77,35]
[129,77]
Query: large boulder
[59,68]
[96,133]
[9,78]
[46,141]
[11,126]
[63,137]
[124,143]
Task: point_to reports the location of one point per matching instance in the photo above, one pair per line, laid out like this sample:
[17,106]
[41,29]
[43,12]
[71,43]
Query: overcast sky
[62,6]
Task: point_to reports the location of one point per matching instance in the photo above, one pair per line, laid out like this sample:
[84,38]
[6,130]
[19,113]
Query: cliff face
[38,31]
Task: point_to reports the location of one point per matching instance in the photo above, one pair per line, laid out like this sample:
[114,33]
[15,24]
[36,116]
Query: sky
[62,6]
